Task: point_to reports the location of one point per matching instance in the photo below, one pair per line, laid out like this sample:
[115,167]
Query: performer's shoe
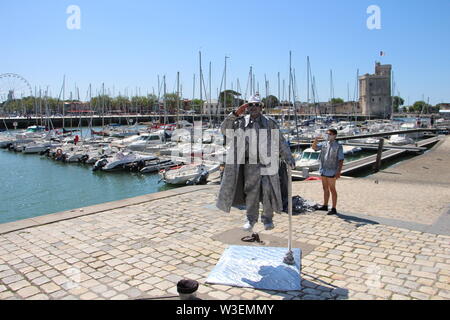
[248,226]
[269,226]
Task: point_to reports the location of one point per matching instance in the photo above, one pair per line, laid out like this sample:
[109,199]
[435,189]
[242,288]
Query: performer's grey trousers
[253,194]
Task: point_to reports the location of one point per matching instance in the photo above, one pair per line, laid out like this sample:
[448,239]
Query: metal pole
[289,258]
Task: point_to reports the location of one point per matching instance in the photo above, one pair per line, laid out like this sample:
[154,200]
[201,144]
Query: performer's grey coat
[274,187]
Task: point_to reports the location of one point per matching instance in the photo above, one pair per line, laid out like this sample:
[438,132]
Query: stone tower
[375,96]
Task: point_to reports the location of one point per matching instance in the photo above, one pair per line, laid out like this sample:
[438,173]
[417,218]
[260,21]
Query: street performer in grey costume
[249,176]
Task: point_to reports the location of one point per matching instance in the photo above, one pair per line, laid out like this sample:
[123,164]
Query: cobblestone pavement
[145,249]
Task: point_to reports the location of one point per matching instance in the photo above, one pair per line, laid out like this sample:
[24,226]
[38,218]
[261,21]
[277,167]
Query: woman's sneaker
[321,208]
[332,212]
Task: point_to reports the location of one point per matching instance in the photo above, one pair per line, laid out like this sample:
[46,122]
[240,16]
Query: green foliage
[423,107]
[232,99]
[271,102]
[397,102]
[29,105]
[171,102]
[196,105]
[420,106]
[337,101]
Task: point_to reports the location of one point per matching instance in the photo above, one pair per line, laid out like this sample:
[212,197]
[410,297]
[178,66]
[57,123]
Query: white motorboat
[366,140]
[77,154]
[123,132]
[18,140]
[400,140]
[347,129]
[147,140]
[308,159]
[6,140]
[96,154]
[213,136]
[189,174]
[35,128]
[120,160]
[351,150]
[157,165]
[411,126]
[38,147]
[182,150]
[372,140]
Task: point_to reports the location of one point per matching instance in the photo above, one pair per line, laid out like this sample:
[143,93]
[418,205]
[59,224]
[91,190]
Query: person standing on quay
[331,162]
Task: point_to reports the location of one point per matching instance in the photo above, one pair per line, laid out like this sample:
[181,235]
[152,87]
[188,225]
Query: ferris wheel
[13,86]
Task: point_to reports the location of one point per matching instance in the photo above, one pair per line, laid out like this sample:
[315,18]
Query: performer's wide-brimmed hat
[255,99]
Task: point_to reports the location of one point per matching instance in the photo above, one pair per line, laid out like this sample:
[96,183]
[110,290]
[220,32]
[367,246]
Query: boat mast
[178,100]
[40,106]
[251,81]
[225,89]
[159,97]
[210,101]
[279,97]
[293,87]
[201,75]
[79,112]
[289,94]
[90,108]
[63,101]
[356,92]
[294,95]
[307,80]
[392,95]
[103,111]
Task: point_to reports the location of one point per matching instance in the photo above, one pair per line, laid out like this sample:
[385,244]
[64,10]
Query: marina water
[32,185]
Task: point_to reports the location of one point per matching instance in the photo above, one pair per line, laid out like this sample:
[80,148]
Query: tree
[102,103]
[24,105]
[171,102]
[152,102]
[121,104]
[397,102]
[196,105]
[421,106]
[232,99]
[337,101]
[271,102]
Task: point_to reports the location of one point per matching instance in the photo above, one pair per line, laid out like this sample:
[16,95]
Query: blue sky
[126,44]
